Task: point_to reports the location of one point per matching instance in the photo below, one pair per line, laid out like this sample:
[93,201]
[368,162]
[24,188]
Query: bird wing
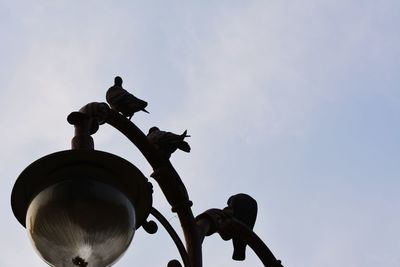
[123,101]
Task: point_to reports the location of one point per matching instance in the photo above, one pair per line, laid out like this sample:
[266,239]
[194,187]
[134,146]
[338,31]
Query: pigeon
[244,209]
[123,101]
[168,142]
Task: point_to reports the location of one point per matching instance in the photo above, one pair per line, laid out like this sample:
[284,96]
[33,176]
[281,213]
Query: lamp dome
[85,224]
[81,207]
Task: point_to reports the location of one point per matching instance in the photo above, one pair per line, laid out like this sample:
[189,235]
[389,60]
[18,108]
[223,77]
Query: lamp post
[82,206]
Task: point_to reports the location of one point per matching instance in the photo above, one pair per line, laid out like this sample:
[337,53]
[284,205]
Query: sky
[296,103]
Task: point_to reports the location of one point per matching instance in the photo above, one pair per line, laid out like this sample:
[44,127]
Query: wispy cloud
[263,88]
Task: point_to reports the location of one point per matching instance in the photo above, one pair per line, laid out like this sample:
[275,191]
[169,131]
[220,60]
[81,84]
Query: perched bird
[168,142]
[123,101]
[244,209]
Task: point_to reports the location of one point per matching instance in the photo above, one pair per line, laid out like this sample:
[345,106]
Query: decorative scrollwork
[150,227]
[174,263]
[172,233]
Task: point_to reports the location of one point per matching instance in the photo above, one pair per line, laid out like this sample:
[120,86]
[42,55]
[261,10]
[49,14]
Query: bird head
[153,129]
[118,81]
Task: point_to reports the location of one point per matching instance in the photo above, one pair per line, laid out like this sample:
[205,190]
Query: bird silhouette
[122,101]
[244,209]
[168,142]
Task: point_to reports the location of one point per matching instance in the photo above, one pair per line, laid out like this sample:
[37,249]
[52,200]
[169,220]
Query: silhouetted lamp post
[82,206]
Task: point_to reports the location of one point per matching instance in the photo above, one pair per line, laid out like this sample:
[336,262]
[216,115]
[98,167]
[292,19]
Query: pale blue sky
[296,103]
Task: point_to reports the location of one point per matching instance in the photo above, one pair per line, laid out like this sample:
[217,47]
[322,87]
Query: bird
[168,142]
[122,101]
[244,209]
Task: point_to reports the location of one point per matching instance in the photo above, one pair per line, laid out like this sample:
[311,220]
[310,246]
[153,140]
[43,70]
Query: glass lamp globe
[80,223]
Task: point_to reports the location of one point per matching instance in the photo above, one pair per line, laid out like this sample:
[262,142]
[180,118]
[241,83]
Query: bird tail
[184,134]
[239,249]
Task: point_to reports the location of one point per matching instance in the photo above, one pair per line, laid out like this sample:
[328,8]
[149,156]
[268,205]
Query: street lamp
[82,206]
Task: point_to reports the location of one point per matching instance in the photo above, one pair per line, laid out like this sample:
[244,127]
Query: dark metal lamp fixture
[82,206]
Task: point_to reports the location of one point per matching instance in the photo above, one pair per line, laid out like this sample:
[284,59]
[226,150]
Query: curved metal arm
[164,173]
[171,231]
[254,241]
[174,190]
[168,180]
[222,222]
